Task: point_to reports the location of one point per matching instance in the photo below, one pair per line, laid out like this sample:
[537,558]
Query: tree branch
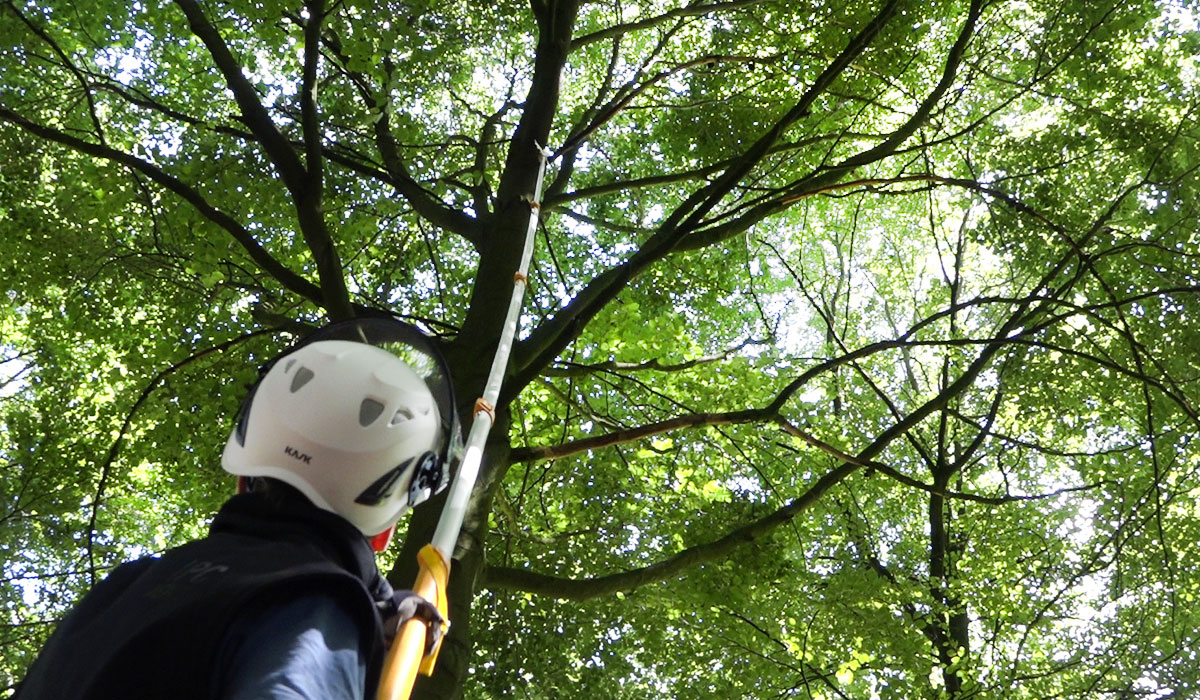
[557,202]
[824,178]
[576,589]
[575,369]
[621,101]
[276,146]
[397,176]
[115,448]
[265,261]
[303,183]
[66,62]
[500,253]
[507,578]
[546,341]
[309,117]
[694,10]
[529,454]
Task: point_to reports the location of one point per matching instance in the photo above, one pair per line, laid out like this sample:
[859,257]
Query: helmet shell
[344,422]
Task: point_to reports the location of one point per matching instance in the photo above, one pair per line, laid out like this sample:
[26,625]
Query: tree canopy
[861,357]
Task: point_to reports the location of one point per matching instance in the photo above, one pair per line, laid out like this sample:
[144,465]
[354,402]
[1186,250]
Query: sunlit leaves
[1018,273]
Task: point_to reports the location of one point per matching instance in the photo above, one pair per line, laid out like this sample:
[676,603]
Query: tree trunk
[949,630]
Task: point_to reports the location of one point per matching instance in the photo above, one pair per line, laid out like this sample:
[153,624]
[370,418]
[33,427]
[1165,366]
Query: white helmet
[359,417]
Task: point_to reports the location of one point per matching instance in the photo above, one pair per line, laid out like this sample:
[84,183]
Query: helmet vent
[288,367]
[404,414]
[303,376]
[368,411]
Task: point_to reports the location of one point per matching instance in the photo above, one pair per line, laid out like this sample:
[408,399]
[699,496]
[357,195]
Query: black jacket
[153,627]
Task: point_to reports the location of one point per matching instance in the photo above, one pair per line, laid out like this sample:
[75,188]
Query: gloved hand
[406,605]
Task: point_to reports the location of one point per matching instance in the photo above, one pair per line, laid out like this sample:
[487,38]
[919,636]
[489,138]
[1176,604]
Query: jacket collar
[298,520]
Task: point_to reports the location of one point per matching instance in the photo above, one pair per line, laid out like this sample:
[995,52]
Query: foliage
[859,358]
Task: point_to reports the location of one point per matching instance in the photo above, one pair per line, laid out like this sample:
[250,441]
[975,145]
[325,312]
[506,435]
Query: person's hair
[277,493]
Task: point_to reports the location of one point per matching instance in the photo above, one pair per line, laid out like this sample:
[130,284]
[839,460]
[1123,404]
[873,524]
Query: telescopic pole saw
[407,654]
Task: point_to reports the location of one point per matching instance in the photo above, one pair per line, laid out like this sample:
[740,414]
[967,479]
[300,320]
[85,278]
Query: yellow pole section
[404,656]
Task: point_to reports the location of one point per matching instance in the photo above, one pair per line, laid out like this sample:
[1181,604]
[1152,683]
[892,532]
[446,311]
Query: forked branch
[548,340]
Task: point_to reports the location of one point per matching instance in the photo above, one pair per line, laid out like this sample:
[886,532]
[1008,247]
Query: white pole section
[455,510]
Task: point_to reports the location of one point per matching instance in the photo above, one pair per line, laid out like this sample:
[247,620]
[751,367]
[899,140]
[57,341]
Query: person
[341,434]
